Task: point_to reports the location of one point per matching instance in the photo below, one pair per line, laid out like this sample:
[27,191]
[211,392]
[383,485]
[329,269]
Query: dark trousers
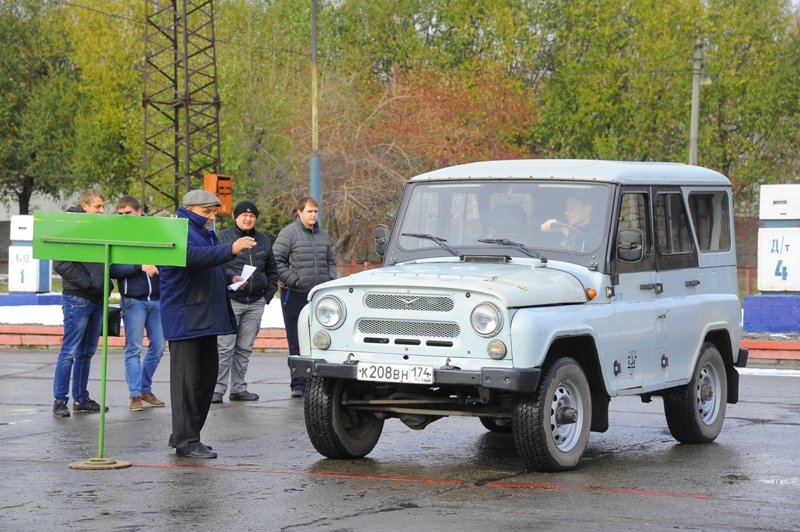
[193,368]
[291,304]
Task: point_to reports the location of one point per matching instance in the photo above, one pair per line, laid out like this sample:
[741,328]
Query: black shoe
[172,445]
[201,451]
[243,396]
[60,409]
[297,392]
[88,405]
[216,398]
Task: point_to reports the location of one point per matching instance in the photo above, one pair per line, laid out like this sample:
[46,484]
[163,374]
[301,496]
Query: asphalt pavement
[452,476]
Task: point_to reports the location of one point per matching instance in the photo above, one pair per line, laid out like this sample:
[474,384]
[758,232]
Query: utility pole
[694,127]
[314,161]
[181,101]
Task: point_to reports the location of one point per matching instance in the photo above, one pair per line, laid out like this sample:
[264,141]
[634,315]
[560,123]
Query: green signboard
[131,239]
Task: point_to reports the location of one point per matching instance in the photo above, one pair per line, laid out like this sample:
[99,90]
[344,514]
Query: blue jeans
[140,315]
[235,349]
[83,325]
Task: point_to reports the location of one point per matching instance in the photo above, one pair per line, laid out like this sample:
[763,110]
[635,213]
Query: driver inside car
[579,232]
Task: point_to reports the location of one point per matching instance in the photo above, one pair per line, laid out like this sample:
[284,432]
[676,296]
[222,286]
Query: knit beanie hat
[245,206]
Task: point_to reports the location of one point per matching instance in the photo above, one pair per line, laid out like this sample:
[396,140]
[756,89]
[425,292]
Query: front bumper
[523,380]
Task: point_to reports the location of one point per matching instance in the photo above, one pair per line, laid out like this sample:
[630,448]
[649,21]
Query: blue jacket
[194,299]
[135,283]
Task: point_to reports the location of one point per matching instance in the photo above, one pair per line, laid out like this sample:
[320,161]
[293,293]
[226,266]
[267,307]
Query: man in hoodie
[305,259]
[82,304]
[248,303]
[139,291]
[195,309]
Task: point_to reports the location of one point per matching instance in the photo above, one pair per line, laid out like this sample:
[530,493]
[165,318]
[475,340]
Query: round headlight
[485,319]
[329,312]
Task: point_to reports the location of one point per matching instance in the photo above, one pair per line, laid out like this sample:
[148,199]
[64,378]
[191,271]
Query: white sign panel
[779,259]
[23,269]
[22,227]
[779,202]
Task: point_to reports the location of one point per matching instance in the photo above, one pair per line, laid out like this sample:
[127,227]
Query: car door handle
[693,282]
[658,287]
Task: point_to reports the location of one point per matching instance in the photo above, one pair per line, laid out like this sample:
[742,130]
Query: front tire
[695,412]
[334,431]
[545,439]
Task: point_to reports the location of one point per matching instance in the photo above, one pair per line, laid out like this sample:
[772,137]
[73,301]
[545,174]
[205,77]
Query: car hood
[521,285]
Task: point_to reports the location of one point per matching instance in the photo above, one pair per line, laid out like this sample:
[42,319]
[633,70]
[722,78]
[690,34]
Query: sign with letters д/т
[779,259]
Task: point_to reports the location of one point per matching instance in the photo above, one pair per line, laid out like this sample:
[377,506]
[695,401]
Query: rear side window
[672,232]
[711,218]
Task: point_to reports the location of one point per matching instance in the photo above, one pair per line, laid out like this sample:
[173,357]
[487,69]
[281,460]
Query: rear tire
[334,431]
[544,441]
[695,412]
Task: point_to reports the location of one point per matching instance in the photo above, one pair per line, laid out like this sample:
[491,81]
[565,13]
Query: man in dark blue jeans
[139,288]
[82,304]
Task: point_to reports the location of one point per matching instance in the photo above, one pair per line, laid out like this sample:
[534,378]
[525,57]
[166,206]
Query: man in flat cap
[248,303]
[195,309]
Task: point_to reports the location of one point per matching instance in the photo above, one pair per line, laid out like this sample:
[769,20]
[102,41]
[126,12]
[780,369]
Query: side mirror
[630,246]
[381,239]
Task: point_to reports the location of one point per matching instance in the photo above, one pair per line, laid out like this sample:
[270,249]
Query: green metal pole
[106,275]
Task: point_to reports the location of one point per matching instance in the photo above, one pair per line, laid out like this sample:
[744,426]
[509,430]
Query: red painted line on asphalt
[428,480]
[601,490]
[304,473]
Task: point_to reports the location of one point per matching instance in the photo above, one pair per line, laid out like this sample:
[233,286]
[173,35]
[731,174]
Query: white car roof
[625,173]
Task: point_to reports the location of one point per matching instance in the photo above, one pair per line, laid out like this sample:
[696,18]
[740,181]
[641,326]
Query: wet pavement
[452,476]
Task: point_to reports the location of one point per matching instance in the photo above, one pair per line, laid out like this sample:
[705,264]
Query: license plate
[395,373]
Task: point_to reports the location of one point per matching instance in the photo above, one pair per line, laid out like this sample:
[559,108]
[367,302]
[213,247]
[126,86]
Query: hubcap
[566,396]
[707,397]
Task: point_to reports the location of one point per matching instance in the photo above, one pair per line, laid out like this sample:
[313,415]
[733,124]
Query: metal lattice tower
[181,101]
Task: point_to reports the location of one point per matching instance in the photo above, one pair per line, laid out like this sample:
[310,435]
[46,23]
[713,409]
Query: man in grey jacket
[305,258]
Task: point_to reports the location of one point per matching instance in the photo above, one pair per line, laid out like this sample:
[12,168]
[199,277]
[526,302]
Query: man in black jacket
[82,304]
[139,288]
[248,303]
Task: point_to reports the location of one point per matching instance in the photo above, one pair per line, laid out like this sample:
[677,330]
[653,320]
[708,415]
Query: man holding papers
[256,266]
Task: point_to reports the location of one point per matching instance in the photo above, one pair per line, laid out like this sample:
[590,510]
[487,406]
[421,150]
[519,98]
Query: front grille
[409,328]
[409,302]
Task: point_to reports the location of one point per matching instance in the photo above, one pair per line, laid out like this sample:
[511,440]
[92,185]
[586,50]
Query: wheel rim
[707,394]
[566,435]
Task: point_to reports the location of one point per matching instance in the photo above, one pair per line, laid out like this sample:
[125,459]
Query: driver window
[634,214]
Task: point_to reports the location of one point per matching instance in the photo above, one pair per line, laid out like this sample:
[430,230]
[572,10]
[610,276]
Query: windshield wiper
[440,241]
[522,247]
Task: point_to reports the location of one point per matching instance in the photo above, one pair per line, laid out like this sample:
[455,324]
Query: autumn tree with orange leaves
[421,120]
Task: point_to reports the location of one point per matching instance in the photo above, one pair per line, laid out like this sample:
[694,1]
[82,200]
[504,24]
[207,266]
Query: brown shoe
[152,400]
[136,404]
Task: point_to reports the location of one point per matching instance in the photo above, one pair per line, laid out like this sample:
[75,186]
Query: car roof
[625,173]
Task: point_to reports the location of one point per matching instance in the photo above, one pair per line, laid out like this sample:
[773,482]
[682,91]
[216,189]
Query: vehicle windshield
[542,216]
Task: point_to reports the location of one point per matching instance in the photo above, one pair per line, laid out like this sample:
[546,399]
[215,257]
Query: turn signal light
[591,292]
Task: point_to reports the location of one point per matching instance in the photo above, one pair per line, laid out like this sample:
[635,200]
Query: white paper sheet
[247,271]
